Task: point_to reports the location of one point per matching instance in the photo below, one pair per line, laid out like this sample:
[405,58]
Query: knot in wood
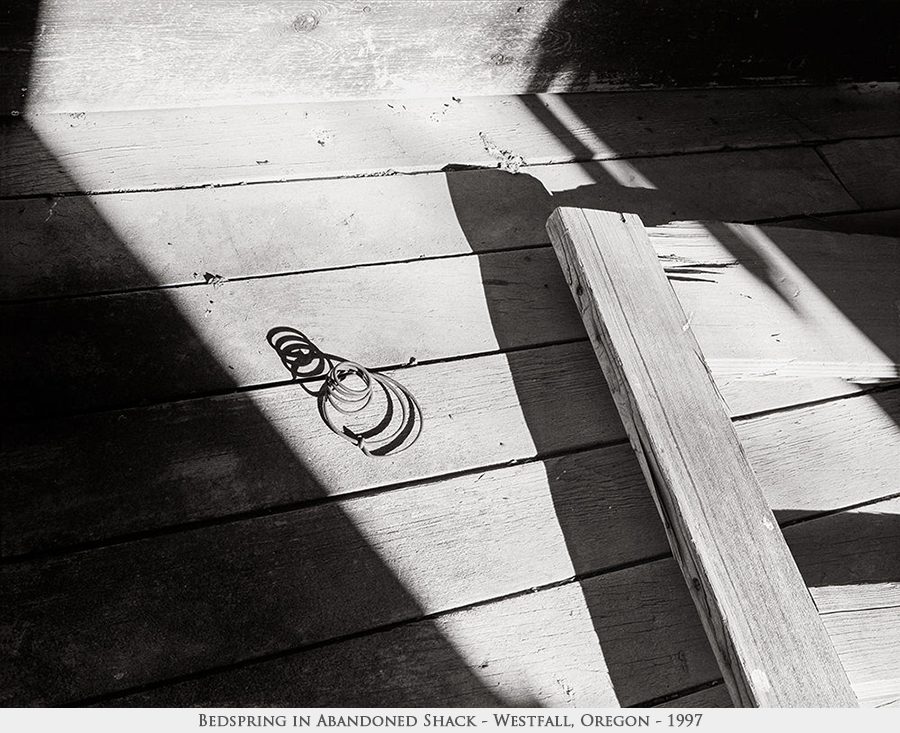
[305,23]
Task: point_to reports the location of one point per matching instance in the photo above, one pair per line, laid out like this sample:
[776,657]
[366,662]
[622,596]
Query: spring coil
[345,387]
[348,399]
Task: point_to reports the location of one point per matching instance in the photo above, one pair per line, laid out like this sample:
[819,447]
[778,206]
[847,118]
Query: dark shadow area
[495,207]
[402,670]
[848,548]
[58,249]
[92,624]
[702,42]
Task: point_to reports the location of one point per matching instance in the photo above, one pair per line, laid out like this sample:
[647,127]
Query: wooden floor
[180,528]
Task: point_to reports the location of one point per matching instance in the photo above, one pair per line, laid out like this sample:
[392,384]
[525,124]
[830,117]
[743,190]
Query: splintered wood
[763,626]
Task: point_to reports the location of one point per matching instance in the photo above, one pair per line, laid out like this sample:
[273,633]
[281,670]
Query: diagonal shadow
[176,603]
[846,549]
[702,42]
[614,596]
[249,584]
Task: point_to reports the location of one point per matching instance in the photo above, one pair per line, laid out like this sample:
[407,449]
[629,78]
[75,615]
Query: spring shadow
[387,420]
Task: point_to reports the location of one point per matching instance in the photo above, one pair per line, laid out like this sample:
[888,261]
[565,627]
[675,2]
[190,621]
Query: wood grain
[176,463]
[847,575]
[776,331]
[284,51]
[244,452]
[295,578]
[868,169]
[856,586]
[164,344]
[864,639]
[234,51]
[827,295]
[172,148]
[109,619]
[768,639]
[536,650]
[493,638]
[867,641]
[862,624]
[81,245]
[849,560]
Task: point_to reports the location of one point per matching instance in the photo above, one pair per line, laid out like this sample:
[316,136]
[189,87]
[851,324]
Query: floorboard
[199,460]
[126,530]
[243,52]
[296,578]
[80,244]
[856,585]
[768,318]
[497,642]
[83,151]
[305,576]
[647,639]
[538,650]
[868,169]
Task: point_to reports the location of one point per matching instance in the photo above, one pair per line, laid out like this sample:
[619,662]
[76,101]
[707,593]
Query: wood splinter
[760,619]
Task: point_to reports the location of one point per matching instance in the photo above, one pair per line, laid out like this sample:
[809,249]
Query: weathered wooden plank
[768,640]
[537,649]
[851,561]
[171,148]
[197,460]
[869,170]
[234,51]
[802,327]
[162,344]
[243,52]
[867,643]
[867,640]
[109,619]
[79,244]
[149,610]
[824,457]
[848,575]
[216,456]
[815,291]
[651,640]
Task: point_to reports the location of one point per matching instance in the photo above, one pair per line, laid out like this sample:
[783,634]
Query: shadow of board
[258,612]
[500,208]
